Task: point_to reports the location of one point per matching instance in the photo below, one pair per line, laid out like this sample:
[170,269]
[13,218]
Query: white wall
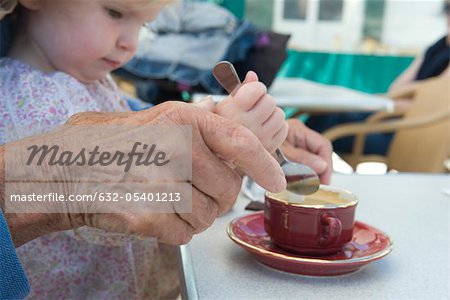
[412,24]
[409,26]
[342,35]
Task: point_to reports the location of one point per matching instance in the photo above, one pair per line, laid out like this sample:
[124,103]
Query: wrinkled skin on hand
[217,143]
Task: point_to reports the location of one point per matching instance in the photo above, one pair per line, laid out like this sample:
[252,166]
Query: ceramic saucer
[368,244]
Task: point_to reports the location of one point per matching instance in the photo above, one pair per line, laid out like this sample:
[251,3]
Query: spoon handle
[226,75]
[280,157]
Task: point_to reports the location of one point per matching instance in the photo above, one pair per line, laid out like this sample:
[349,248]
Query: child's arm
[254,108]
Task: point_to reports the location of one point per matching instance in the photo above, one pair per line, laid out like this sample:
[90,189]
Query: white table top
[310,96]
[411,208]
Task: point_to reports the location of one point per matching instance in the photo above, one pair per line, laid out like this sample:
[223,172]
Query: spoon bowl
[301,179]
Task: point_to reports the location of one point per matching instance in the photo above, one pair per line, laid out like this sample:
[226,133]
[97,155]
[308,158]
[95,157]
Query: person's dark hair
[447,7]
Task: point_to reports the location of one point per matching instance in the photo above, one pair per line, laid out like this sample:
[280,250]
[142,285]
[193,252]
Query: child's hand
[254,108]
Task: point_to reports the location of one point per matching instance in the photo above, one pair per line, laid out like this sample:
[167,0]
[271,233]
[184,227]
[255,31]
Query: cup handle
[335,229]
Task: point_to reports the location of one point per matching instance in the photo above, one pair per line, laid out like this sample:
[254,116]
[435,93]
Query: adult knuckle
[184,237]
[205,224]
[205,214]
[213,212]
[176,112]
[227,203]
[241,140]
[141,225]
[228,196]
[233,191]
[207,221]
[135,224]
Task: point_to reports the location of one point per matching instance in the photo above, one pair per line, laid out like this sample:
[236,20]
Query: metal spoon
[301,179]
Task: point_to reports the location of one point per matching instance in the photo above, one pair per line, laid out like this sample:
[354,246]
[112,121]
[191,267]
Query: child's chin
[91,79]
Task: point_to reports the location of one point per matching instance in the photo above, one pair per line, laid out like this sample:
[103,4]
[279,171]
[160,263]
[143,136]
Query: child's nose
[128,42]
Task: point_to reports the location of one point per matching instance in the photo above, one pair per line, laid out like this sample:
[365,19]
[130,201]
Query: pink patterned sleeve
[33,103]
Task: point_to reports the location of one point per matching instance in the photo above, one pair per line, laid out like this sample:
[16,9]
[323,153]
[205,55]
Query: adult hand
[216,142]
[306,146]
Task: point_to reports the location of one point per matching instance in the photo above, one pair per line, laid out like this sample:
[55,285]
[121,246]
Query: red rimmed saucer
[368,244]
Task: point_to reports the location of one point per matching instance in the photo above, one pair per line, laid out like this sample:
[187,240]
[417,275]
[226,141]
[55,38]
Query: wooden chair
[421,141]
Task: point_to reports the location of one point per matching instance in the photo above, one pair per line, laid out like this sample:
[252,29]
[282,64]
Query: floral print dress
[85,263]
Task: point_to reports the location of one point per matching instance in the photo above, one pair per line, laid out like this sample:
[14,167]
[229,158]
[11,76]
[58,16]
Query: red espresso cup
[317,225]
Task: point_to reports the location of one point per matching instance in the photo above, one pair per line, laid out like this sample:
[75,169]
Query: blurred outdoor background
[332,60]
[361,44]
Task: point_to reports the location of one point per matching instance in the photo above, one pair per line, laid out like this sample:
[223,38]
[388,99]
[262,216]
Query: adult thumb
[206,103]
[299,155]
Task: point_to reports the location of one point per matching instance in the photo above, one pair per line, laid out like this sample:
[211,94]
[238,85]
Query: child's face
[88,38]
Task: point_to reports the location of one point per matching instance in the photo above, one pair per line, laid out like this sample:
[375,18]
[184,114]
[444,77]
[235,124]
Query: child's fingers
[279,137]
[263,109]
[275,119]
[265,130]
[275,136]
[274,131]
[249,94]
[250,77]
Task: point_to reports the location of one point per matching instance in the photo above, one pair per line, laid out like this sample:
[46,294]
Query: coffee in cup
[318,224]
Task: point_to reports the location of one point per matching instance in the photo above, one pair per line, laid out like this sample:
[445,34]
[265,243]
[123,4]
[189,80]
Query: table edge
[188,287]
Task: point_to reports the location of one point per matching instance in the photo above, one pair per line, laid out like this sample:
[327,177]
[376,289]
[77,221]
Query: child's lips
[112,63]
